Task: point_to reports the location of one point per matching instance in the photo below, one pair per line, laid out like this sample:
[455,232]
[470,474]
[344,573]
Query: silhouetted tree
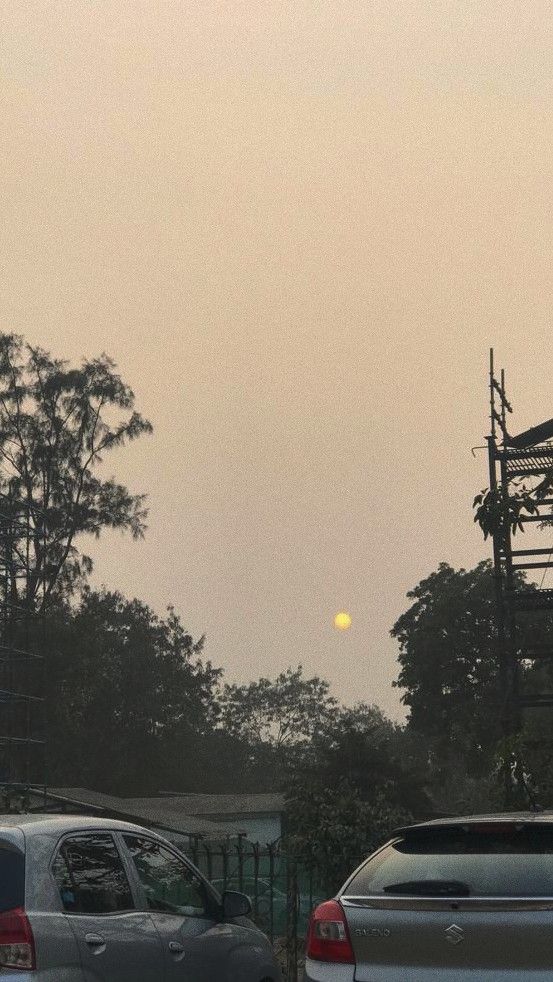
[449,662]
[57,423]
[351,787]
[129,695]
[449,669]
[280,713]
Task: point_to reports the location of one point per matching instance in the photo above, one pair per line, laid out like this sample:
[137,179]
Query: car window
[170,885]
[517,862]
[90,875]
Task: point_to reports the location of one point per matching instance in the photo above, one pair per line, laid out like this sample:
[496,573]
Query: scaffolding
[526,458]
[22,677]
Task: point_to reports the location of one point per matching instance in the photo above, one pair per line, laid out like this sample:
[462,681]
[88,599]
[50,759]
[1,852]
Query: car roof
[38,824]
[499,818]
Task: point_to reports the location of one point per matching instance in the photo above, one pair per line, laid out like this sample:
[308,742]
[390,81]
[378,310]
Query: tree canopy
[353,784]
[129,694]
[280,713]
[57,424]
[448,656]
[449,671]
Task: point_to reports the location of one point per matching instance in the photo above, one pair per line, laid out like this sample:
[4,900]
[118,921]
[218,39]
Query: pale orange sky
[297,227]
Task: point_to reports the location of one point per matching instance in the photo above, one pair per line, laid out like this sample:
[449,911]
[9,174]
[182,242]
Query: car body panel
[128,947]
[419,944]
[132,945]
[228,952]
[198,943]
[55,945]
[405,931]
[201,947]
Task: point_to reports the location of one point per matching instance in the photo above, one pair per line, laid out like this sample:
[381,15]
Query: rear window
[12,878]
[462,863]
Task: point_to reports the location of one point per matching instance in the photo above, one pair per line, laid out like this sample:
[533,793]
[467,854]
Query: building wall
[264,828]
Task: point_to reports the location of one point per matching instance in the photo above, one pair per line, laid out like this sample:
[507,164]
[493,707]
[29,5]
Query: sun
[342,621]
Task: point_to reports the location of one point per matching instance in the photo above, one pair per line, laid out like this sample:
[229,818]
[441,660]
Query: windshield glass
[454,862]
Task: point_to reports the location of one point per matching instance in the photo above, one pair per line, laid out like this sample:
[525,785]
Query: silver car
[453,900]
[91,900]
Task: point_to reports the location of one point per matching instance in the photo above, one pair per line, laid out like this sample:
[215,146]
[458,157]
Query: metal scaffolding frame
[22,677]
[528,455]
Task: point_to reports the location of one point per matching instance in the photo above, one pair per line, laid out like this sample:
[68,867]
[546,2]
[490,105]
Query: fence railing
[283,891]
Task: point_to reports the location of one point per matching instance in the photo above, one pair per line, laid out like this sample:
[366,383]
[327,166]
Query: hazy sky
[297,227]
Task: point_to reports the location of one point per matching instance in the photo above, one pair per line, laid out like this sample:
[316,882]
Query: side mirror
[235,904]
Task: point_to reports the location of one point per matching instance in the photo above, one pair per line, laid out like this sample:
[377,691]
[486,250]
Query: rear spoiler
[485,825]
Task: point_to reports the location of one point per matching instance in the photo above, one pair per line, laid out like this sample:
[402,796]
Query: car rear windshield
[12,877]
[461,862]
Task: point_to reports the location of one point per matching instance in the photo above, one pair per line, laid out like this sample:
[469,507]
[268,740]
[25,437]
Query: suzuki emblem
[454,934]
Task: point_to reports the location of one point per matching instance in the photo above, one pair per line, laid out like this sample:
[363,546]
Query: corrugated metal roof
[149,811]
[222,804]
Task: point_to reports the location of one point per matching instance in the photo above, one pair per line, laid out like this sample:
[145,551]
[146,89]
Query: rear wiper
[430,888]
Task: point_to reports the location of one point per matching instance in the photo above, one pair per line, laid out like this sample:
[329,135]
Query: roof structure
[220,804]
[149,811]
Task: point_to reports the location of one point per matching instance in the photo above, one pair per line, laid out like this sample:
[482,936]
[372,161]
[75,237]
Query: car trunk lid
[416,941]
[462,901]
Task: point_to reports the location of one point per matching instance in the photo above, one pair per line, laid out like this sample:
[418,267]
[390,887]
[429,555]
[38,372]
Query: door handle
[176,948]
[95,940]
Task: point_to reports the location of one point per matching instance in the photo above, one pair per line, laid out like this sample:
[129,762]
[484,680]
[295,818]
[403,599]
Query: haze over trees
[119,676]
[135,707]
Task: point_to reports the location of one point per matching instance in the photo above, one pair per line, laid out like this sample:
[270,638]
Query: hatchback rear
[17,952]
[454,900]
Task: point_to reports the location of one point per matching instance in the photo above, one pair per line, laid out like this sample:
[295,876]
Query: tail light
[328,935]
[17,946]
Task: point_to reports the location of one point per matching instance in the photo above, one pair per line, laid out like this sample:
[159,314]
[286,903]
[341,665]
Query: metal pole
[512,666]
[292,920]
[497,537]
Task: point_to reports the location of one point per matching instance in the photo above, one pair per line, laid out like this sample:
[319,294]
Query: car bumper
[69,974]
[327,972]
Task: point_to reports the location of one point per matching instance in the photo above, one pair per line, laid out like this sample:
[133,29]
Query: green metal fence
[283,890]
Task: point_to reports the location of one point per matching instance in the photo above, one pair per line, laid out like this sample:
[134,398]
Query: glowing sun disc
[342,621]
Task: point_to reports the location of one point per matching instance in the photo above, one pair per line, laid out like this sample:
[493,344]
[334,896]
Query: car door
[196,945]
[116,941]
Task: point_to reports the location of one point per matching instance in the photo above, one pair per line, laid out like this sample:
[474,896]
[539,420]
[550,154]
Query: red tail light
[328,935]
[17,946]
